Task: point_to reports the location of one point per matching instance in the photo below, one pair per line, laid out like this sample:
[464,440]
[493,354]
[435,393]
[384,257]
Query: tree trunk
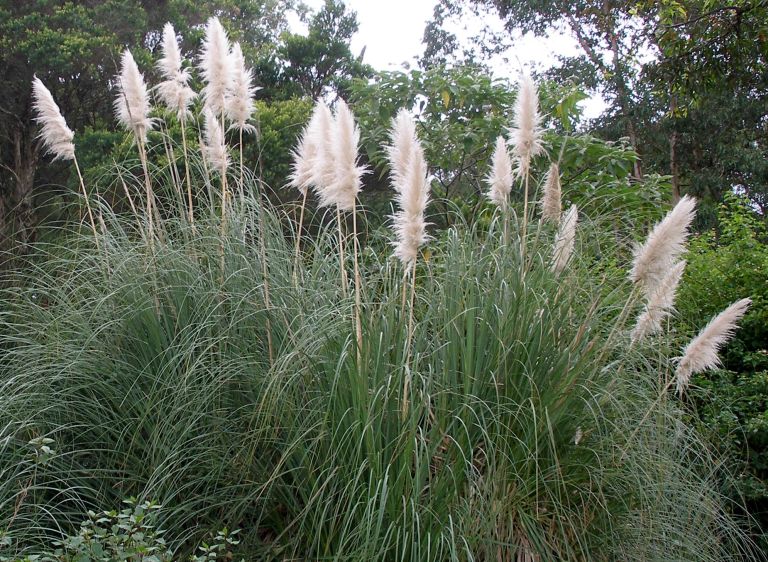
[673,164]
[18,217]
[621,87]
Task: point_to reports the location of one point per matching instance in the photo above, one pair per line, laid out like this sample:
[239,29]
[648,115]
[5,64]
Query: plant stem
[242,173]
[525,217]
[298,239]
[265,273]
[408,342]
[186,172]
[341,255]
[358,304]
[150,194]
[87,203]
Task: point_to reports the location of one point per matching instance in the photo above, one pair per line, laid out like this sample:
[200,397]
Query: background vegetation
[690,118]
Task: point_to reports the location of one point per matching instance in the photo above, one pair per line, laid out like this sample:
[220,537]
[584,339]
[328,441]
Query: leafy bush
[725,265]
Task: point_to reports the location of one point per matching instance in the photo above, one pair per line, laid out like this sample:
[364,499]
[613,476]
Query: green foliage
[460,113]
[127,536]
[733,404]
[279,125]
[150,368]
[322,60]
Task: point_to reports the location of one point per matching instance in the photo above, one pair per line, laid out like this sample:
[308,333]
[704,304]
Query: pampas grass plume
[309,167]
[410,182]
[526,132]
[403,145]
[174,91]
[57,136]
[132,102]
[565,240]
[551,202]
[701,353]
[215,67]
[664,245]
[238,100]
[215,148]
[501,176]
[660,304]
[346,175]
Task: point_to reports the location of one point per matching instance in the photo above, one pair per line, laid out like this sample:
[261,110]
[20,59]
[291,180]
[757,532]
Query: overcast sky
[391,32]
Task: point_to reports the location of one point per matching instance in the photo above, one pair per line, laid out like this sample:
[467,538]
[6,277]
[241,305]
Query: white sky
[391,32]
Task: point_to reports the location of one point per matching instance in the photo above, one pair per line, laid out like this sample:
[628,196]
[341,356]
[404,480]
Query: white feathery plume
[342,191]
[403,146]
[174,91]
[701,353]
[565,240]
[526,132]
[551,201]
[410,182]
[660,304]
[501,176]
[238,101]
[215,66]
[132,102]
[322,130]
[664,245]
[57,136]
[214,147]
[307,153]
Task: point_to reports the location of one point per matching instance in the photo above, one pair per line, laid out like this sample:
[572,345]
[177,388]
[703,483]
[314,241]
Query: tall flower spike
[215,148]
[132,102]
[565,240]
[322,132]
[307,153]
[238,101]
[664,245]
[660,304]
[551,202]
[701,353]
[501,176]
[215,67]
[526,133]
[410,182]
[403,146]
[174,91]
[347,176]
[57,136]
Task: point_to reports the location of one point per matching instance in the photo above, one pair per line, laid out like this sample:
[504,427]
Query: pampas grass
[660,304]
[238,102]
[501,176]
[177,96]
[411,184]
[565,240]
[57,137]
[132,102]
[551,201]
[526,139]
[663,247]
[174,91]
[526,132]
[132,109]
[702,352]
[54,132]
[215,67]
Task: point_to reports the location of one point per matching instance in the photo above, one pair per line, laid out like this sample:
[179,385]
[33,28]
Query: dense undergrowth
[520,434]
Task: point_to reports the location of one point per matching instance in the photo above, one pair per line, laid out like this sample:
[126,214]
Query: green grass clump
[508,429]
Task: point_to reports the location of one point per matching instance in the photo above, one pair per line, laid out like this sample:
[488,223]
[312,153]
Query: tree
[694,107]
[74,47]
[322,59]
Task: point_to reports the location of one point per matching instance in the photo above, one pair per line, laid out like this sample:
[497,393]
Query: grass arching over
[148,367]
